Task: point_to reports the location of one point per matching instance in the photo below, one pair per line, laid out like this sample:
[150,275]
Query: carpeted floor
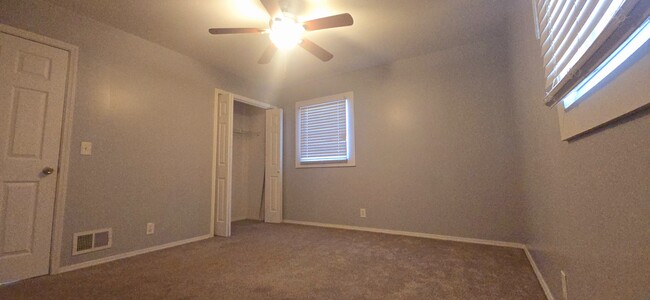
[281,261]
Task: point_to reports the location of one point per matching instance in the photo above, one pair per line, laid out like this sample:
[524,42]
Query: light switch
[86,148]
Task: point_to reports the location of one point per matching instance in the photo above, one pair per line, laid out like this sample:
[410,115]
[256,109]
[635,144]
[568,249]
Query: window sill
[622,95]
[326,165]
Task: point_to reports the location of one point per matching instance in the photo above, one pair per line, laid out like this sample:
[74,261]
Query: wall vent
[89,241]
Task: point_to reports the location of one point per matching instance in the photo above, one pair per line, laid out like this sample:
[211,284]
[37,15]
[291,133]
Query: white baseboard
[130,254]
[413,234]
[538,274]
[540,278]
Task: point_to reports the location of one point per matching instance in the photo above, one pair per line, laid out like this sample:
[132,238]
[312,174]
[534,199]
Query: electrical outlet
[565,292]
[362,212]
[150,228]
[86,148]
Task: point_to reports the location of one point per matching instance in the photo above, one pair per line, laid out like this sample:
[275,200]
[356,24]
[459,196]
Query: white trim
[132,253]
[215,112]
[213,191]
[601,104]
[538,274]
[540,278]
[536,18]
[412,234]
[252,102]
[66,138]
[351,162]
[36,37]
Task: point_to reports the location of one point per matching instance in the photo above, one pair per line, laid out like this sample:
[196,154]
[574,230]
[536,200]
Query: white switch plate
[150,228]
[86,148]
[362,212]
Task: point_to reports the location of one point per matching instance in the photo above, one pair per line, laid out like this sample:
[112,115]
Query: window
[325,132]
[585,42]
[615,60]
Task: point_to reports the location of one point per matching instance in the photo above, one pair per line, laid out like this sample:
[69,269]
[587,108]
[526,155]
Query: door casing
[66,132]
[236,98]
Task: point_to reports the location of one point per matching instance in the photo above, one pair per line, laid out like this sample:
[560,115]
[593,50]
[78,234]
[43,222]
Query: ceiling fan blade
[316,50]
[268,54]
[235,30]
[272,7]
[329,22]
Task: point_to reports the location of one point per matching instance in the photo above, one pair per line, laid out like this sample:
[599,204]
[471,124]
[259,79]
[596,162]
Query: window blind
[571,32]
[323,132]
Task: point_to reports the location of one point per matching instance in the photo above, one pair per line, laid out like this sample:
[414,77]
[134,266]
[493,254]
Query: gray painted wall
[148,112]
[442,147]
[434,148]
[587,202]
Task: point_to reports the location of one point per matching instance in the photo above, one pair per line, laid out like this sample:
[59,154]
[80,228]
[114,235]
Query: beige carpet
[266,261]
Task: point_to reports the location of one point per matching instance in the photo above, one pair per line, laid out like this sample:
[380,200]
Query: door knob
[48,170]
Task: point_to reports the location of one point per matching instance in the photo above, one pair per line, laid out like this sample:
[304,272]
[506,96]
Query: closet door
[273,176]
[223,162]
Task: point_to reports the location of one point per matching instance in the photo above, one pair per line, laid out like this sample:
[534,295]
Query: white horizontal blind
[569,29]
[323,135]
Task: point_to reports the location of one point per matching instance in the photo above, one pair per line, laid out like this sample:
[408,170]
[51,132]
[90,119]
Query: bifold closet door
[223,129]
[273,162]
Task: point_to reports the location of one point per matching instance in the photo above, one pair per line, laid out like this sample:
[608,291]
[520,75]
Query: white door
[273,176]
[32,91]
[224,117]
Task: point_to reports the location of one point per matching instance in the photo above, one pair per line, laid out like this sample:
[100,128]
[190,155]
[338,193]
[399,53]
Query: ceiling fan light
[286,33]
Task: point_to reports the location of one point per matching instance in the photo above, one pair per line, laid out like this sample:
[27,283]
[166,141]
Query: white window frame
[349,96]
[585,100]
[620,94]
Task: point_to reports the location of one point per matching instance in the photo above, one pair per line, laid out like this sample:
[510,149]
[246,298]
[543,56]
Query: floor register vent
[89,241]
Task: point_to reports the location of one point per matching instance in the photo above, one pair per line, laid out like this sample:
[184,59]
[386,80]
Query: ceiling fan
[285,31]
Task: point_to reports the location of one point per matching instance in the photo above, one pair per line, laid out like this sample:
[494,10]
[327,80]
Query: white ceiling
[383,30]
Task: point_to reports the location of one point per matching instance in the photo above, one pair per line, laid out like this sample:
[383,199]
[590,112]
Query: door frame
[66,136]
[215,141]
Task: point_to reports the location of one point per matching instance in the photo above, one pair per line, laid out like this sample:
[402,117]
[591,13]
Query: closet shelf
[246,132]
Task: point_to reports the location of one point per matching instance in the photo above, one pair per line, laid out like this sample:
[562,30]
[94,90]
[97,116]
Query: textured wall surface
[148,112]
[587,202]
[434,148]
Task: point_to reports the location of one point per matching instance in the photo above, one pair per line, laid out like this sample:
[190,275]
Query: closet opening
[247,162]
[248,150]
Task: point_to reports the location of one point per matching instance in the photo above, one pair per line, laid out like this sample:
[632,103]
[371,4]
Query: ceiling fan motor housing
[285,31]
